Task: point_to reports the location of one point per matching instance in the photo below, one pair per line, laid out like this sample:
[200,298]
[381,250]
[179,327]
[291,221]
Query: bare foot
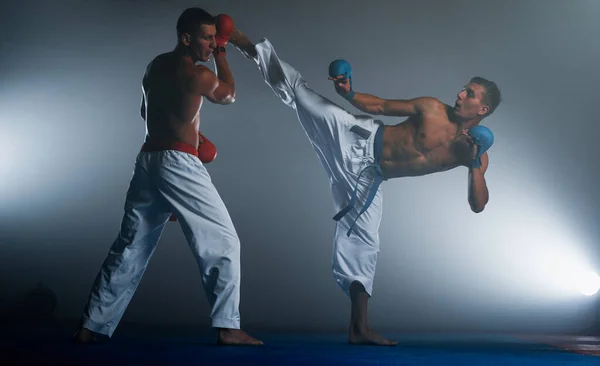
[236,337]
[368,338]
[242,43]
[85,336]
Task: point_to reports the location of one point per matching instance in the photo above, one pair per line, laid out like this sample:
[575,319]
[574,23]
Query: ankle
[84,331]
[358,327]
[227,330]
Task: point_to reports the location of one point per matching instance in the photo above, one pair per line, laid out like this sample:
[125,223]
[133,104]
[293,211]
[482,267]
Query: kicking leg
[288,84]
[325,123]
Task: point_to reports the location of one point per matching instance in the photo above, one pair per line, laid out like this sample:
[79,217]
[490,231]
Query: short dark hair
[491,96]
[191,19]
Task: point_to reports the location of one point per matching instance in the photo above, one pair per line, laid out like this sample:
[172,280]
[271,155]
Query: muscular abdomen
[409,150]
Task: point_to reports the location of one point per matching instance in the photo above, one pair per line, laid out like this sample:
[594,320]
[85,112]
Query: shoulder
[157,64]
[202,74]
[201,70]
[430,105]
[432,102]
[159,59]
[201,79]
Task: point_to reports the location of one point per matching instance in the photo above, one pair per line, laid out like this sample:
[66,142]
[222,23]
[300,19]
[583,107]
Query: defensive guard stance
[170,178]
[359,153]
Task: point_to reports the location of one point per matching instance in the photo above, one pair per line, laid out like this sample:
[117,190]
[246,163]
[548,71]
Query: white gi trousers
[345,145]
[166,182]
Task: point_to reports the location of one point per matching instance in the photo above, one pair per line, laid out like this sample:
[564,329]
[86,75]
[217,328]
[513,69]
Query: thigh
[321,118]
[184,183]
[145,213]
[367,225]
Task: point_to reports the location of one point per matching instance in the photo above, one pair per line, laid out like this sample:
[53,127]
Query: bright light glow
[589,283]
[41,166]
[8,152]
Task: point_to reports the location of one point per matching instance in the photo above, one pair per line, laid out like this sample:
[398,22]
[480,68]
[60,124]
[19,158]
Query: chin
[459,117]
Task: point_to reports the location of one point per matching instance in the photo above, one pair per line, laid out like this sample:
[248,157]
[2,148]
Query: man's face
[468,103]
[202,42]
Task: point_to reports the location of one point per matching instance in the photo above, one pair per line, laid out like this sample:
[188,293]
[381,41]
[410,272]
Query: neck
[182,52]
[463,123]
[466,124]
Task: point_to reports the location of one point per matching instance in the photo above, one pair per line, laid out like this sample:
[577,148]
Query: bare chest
[433,134]
[424,145]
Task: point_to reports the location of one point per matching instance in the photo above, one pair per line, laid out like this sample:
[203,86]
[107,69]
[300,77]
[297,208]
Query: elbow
[477,208]
[231,96]
[374,109]
[228,99]
[381,110]
[478,199]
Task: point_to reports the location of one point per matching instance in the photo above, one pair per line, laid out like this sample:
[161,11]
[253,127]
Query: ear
[186,39]
[483,110]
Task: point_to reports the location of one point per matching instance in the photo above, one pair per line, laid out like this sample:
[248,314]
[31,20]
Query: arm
[478,191]
[225,91]
[207,84]
[340,72]
[392,107]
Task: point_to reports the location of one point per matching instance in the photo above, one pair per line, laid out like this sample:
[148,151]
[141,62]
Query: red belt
[169,145]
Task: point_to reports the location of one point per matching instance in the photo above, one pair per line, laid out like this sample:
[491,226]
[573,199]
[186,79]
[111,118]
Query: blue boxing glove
[342,67]
[483,138]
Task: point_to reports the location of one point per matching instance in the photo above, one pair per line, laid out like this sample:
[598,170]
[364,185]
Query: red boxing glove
[207,151]
[225,27]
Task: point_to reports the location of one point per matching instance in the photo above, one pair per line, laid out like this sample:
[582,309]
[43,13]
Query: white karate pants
[344,144]
[164,182]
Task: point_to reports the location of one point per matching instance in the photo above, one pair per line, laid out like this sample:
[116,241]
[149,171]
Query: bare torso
[172,111]
[424,144]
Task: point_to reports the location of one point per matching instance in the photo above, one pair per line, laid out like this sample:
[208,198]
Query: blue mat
[24,346]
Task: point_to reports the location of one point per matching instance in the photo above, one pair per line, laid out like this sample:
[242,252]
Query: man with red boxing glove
[170,177]
[359,153]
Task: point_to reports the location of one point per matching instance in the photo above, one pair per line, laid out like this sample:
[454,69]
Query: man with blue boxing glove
[465,115]
[359,152]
